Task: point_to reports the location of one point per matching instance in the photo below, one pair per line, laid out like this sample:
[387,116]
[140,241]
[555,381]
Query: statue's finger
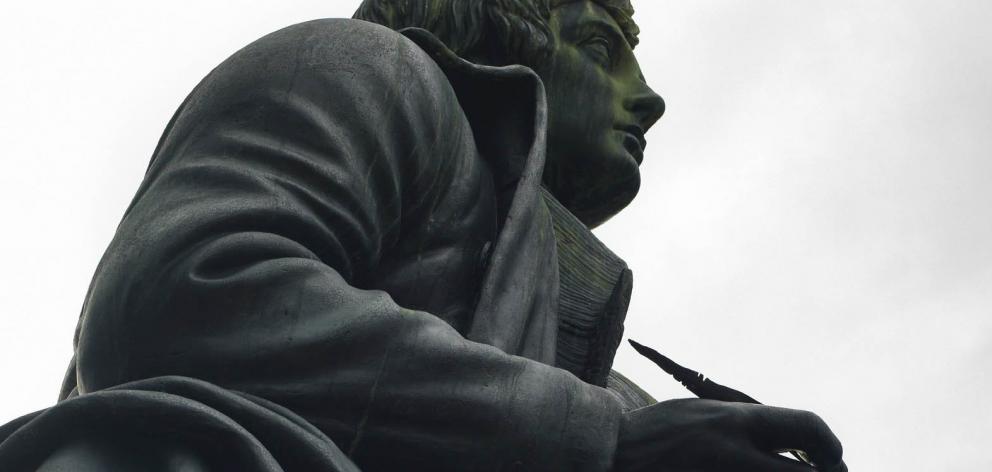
[777,429]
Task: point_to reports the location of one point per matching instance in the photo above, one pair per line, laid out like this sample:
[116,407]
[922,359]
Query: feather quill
[701,386]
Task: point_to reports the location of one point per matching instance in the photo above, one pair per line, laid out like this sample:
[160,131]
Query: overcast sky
[814,226]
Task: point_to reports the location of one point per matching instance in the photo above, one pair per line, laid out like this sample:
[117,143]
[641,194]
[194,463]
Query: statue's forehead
[621,11]
[622,4]
[621,7]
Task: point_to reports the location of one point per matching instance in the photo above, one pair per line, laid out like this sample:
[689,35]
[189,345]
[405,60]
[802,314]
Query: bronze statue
[366,246]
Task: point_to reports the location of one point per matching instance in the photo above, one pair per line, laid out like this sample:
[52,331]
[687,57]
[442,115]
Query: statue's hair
[473,29]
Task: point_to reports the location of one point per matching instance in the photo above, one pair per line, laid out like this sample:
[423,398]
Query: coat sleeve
[245,260]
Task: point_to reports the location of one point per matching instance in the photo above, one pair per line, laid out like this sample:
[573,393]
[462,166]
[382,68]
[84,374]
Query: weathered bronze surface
[366,246]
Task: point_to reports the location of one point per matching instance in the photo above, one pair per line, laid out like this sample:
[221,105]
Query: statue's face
[599,109]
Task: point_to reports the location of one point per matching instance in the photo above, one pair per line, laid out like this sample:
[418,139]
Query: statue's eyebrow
[591,25]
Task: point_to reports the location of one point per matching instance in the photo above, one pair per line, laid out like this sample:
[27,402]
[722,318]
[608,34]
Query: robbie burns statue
[365,246]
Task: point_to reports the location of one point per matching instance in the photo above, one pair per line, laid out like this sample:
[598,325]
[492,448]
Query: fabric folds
[339,258]
[178,421]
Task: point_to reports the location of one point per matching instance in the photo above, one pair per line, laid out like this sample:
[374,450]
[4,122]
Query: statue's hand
[708,435]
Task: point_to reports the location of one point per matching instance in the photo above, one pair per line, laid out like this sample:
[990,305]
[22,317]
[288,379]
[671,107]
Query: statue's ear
[505,106]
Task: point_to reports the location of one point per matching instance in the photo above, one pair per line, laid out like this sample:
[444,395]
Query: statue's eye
[600,48]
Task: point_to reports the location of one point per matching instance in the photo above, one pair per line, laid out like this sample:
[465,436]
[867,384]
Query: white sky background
[813,228]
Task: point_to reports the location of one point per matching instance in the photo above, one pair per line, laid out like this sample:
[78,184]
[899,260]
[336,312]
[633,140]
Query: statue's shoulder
[346,45]
[330,27]
[339,54]
[338,35]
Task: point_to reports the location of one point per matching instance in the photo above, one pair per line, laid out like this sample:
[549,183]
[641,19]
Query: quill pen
[701,386]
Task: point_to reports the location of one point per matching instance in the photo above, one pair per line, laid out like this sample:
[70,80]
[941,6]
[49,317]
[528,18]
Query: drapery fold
[322,226]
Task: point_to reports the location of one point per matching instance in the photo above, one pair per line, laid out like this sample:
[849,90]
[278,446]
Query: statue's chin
[602,205]
[597,198]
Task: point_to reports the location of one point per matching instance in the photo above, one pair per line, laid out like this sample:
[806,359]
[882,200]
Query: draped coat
[342,258]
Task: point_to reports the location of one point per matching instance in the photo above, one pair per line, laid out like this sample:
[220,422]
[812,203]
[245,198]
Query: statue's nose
[647,106]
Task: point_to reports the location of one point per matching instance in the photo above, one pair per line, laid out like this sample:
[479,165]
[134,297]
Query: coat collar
[552,291]
[507,111]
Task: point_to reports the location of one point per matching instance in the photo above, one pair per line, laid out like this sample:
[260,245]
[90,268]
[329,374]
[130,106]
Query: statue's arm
[243,261]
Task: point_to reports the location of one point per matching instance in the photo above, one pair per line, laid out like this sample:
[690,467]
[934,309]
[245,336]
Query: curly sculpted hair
[494,31]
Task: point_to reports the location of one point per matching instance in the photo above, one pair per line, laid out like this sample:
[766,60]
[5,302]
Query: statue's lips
[634,141]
